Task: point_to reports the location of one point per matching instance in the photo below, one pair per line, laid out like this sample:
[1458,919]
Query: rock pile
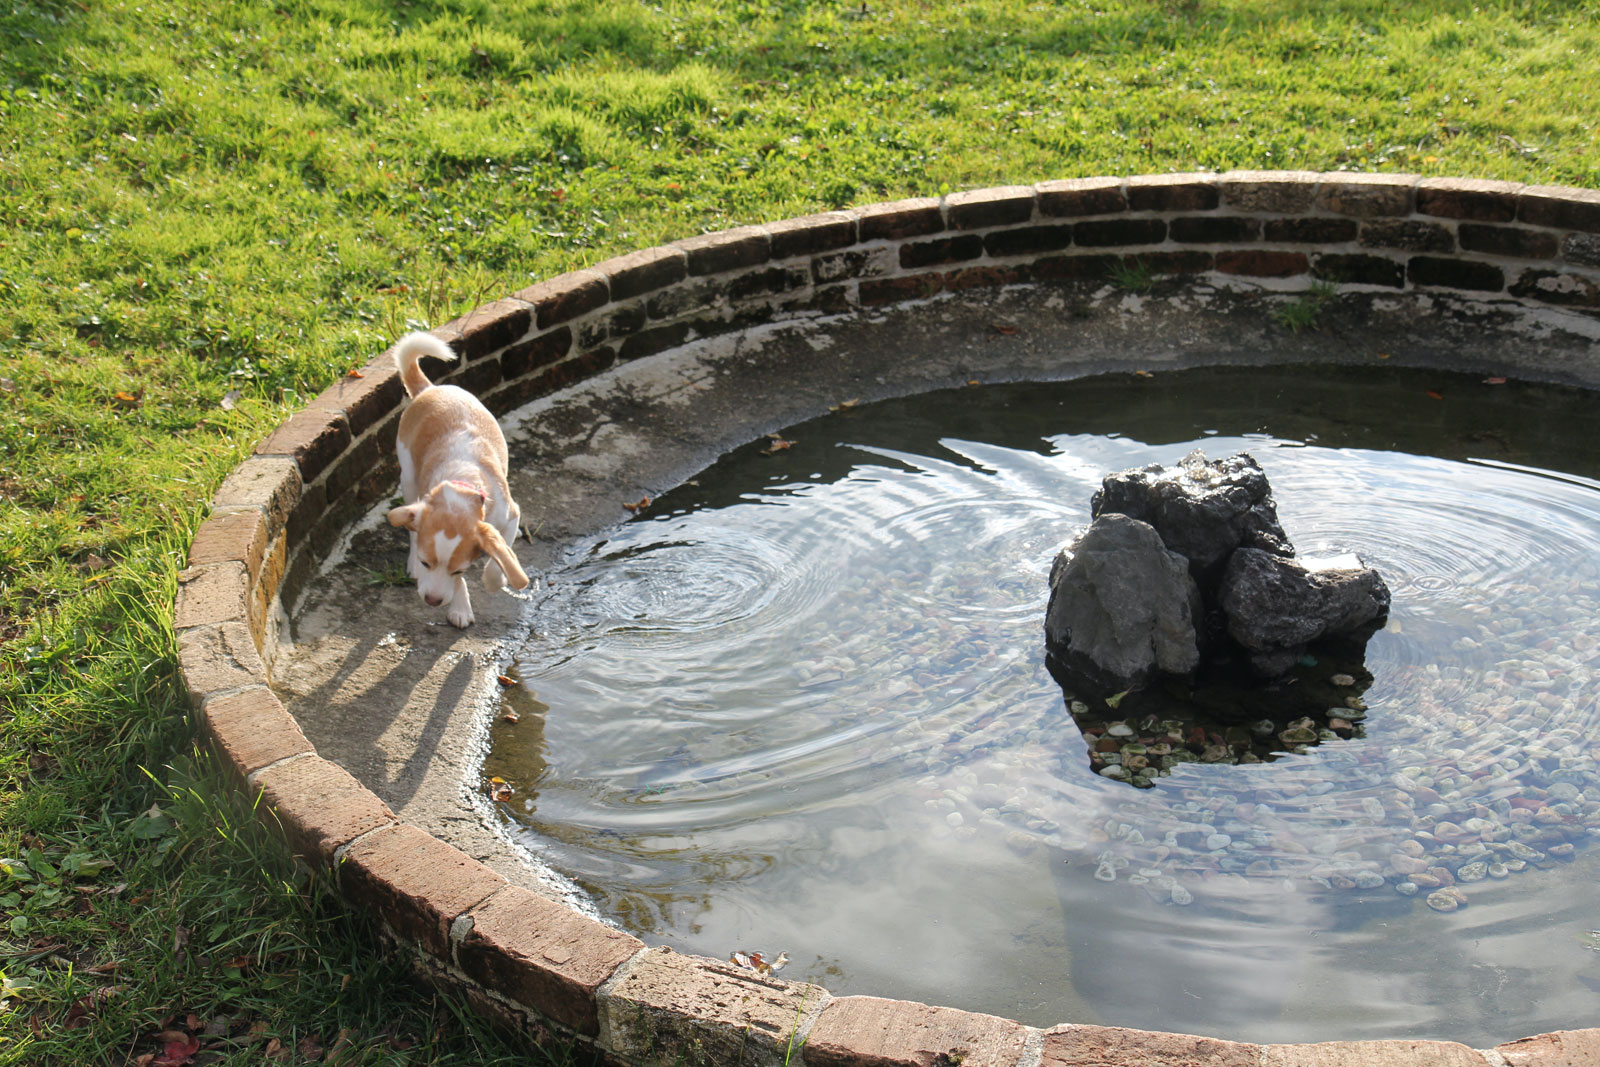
[1186,577]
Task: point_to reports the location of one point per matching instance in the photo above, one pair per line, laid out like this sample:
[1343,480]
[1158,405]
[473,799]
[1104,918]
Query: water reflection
[803,706]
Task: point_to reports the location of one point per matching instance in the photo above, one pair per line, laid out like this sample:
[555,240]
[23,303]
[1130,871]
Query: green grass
[238,202]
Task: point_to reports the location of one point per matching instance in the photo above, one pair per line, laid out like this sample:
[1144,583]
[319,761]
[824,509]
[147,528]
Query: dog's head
[451,533]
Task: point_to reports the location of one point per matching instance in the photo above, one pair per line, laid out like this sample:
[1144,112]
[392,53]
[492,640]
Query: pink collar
[470,490]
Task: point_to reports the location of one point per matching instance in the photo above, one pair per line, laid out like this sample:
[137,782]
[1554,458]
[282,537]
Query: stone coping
[552,971]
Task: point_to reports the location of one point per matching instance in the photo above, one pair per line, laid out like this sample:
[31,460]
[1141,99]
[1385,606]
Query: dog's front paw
[460,615]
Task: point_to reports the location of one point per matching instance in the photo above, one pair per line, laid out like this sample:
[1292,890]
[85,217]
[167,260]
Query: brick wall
[549,969]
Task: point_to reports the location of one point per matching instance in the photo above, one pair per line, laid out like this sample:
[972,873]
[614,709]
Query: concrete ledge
[542,965]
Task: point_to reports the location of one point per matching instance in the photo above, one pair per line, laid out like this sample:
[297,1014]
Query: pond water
[800,704]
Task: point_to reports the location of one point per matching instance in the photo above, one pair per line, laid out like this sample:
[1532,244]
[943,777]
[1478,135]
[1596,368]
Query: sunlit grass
[235,202]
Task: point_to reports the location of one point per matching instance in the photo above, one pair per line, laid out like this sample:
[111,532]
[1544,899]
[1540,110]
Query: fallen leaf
[776,444]
[973,381]
[177,1049]
[310,1047]
[502,793]
[84,1008]
[510,717]
[505,680]
[1115,699]
[643,503]
[229,397]
[1494,381]
[92,564]
[128,400]
[755,961]
[1003,330]
[1383,355]
[845,405]
[1435,394]
[1143,374]
[355,374]
[276,1051]
[7,385]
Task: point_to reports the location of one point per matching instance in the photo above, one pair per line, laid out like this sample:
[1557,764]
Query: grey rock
[1122,606]
[1203,509]
[1275,606]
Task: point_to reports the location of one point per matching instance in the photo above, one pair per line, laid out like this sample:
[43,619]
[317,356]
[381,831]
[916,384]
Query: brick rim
[281,510]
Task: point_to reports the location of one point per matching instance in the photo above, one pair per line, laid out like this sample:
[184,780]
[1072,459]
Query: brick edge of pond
[551,971]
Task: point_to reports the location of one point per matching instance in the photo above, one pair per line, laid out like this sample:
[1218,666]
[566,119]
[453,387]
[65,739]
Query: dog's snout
[433,599]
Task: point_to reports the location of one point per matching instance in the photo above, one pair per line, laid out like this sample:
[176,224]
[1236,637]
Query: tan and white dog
[458,505]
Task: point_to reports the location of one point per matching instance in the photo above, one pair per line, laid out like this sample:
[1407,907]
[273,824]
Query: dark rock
[1203,510]
[1122,606]
[1275,607]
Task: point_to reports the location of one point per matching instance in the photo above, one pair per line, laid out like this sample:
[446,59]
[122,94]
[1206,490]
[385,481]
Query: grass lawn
[208,211]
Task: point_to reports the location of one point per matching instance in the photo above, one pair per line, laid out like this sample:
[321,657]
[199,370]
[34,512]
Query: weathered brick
[313,439]
[1188,261]
[1560,206]
[558,376]
[251,729]
[656,339]
[1558,288]
[1407,235]
[766,282]
[1581,248]
[273,485]
[1562,1048]
[1269,191]
[1366,196]
[1108,1046]
[485,330]
[944,250]
[900,219]
[1373,1054]
[812,234]
[669,1007]
[212,594]
[825,299]
[313,502]
[984,277]
[893,290]
[1173,192]
[1358,269]
[364,400]
[1468,198]
[353,466]
[544,955]
[873,1032]
[1514,241]
[417,884]
[213,659]
[978,209]
[269,584]
[1077,197]
[1108,233]
[1312,230]
[320,806]
[1028,240]
[644,271]
[623,320]
[536,352]
[1214,229]
[566,296]
[1074,268]
[855,263]
[1455,274]
[731,320]
[239,535]
[715,253]
[1261,263]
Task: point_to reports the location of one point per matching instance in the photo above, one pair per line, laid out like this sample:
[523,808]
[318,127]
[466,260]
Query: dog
[458,504]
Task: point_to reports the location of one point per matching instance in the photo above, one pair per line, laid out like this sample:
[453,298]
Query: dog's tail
[411,348]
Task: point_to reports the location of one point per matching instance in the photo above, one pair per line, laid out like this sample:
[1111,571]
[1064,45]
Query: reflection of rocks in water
[1224,716]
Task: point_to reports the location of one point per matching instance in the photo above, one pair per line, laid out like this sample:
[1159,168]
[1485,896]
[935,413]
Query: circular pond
[799,703]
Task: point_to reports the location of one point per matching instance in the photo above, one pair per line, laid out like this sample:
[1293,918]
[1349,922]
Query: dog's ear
[490,541]
[405,516]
